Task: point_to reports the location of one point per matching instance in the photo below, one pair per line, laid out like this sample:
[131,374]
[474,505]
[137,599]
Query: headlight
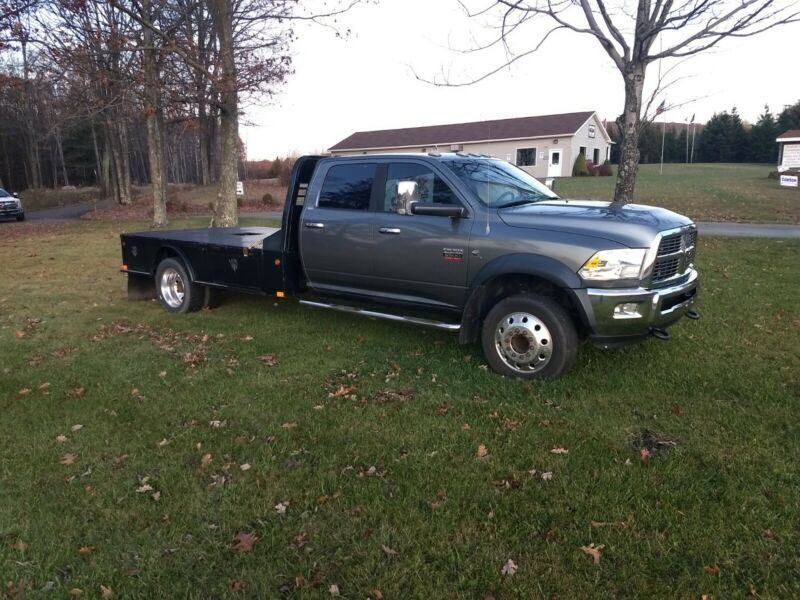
[608,265]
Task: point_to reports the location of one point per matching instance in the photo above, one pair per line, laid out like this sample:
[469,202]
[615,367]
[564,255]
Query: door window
[430,187]
[555,158]
[348,187]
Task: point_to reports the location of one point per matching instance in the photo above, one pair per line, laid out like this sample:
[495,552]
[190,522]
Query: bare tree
[627,30]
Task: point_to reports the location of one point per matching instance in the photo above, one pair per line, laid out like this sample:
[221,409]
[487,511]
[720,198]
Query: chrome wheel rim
[172,288]
[523,342]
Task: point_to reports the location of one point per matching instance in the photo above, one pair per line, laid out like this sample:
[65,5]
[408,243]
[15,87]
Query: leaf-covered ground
[705,192]
[265,449]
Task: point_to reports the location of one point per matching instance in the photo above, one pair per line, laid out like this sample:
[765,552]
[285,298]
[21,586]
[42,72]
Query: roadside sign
[239,188]
[789,180]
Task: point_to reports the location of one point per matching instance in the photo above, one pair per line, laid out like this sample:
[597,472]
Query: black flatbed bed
[233,237]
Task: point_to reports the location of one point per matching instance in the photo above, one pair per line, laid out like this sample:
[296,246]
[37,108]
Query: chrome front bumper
[655,308]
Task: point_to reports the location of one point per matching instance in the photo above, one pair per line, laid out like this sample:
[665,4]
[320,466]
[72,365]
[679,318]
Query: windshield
[4,194]
[499,184]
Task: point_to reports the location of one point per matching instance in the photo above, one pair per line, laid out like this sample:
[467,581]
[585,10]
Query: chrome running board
[387,316]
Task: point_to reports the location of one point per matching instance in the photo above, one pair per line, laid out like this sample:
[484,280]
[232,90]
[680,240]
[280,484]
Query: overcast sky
[367,81]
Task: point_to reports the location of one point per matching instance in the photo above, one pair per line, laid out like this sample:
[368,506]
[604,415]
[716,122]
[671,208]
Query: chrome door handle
[393,230]
[314,225]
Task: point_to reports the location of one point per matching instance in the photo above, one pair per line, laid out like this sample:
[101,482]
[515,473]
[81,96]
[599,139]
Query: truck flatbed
[234,237]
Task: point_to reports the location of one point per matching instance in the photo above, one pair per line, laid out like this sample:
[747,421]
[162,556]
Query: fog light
[627,310]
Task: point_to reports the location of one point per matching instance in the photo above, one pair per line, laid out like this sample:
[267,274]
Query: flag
[692,121]
[661,107]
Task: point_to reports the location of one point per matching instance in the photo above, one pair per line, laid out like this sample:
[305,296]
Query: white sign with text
[789,180]
[791,155]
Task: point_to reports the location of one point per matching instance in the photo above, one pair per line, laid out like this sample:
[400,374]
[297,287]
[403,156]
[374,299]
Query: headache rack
[676,251]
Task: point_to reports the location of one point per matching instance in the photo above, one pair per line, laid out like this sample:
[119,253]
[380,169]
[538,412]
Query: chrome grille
[675,253]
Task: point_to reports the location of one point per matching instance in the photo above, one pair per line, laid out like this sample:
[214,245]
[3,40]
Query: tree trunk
[60,146]
[226,212]
[119,164]
[155,122]
[631,123]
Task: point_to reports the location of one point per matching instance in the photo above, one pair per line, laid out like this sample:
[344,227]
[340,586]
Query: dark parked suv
[11,206]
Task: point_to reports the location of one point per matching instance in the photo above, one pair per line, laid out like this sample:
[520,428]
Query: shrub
[579,168]
[605,169]
[239,201]
[267,199]
[592,168]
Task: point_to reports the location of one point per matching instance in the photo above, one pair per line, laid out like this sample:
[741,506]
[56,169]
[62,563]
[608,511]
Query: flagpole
[691,160]
[663,134]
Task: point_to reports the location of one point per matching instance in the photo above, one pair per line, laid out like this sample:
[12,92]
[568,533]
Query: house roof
[459,133]
[790,135]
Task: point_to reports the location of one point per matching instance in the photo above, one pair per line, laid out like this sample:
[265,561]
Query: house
[789,148]
[544,146]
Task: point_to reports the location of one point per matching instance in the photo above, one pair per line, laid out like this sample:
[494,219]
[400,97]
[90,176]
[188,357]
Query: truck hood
[633,225]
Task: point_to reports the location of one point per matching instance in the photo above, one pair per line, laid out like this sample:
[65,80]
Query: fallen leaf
[644,453]
[598,524]
[377,594]
[76,427]
[290,425]
[236,585]
[269,360]
[24,391]
[247,338]
[547,476]
[245,467]
[594,551]
[509,569]
[44,386]
[75,592]
[106,591]
[559,450]
[217,424]
[243,542]
[85,550]
[334,589]
[712,570]
[481,452]
[78,392]
[768,534]
[20,546]
[19,333]
[206,460]
[68,459]
[163,443]
[281,507]
[144,488]
[61,438]
[388,551]
[343,390]
[136,393]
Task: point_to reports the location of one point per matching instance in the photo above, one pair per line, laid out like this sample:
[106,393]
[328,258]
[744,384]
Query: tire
[175,290]
[529,337]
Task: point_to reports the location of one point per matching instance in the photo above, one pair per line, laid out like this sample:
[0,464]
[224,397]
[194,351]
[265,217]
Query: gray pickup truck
[462,242]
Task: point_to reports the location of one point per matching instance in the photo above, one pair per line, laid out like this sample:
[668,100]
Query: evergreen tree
[737,136]
[789,118]
[763,148]
[724,139]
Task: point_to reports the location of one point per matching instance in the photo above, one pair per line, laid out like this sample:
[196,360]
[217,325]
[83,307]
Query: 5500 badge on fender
[453,253]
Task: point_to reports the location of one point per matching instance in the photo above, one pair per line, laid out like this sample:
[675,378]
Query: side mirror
[406,193]
[436,209]
[16,195]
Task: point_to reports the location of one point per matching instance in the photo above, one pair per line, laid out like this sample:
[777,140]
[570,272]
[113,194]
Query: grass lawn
[136,446]
[704,192]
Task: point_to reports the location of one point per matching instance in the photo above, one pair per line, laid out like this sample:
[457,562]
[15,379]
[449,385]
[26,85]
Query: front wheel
[529,337]
[176,292]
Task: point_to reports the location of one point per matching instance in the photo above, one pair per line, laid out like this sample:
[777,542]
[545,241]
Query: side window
[347,186]
[430,187]
[526,157]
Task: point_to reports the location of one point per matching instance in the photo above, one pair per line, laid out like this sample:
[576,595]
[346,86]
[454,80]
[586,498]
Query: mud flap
[141,287]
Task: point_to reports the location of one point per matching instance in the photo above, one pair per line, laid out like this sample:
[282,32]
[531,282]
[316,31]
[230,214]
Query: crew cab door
[420,258]
[336,229]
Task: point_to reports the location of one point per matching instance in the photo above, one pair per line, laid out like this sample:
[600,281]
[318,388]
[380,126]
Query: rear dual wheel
[529,337]
[176,291]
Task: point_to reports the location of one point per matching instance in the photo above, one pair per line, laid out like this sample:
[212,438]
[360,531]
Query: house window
[596,156]
[591,131]
[526,157]
[582,150]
